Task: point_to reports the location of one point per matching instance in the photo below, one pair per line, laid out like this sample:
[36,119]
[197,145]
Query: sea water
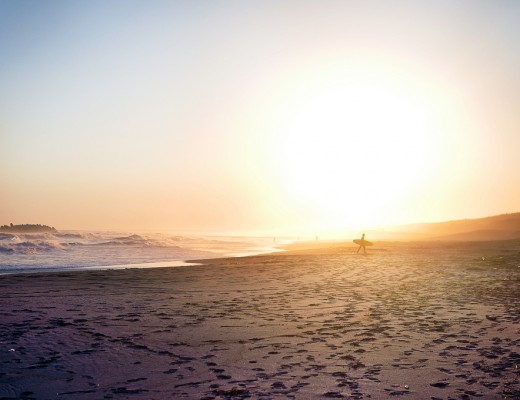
[75,250]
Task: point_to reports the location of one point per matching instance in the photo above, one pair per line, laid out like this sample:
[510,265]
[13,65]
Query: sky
[257,117]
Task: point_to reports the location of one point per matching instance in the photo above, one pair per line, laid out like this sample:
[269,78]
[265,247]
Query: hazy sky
[257,116]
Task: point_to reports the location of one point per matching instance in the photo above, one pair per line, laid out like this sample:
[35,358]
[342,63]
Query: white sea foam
[79,250]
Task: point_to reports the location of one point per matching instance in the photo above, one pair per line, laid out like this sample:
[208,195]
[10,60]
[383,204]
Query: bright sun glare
[352,152]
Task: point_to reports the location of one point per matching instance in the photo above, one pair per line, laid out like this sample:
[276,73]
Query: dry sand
[412,320]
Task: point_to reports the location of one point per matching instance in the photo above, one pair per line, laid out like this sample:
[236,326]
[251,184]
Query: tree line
[27,228]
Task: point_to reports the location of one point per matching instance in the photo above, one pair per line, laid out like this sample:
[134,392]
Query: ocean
[77,250]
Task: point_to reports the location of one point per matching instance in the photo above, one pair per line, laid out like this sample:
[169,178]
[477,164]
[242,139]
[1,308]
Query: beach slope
[414,320]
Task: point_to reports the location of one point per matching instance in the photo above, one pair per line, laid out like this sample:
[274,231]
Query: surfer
[362,244]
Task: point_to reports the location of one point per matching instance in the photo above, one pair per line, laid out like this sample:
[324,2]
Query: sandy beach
[411,320]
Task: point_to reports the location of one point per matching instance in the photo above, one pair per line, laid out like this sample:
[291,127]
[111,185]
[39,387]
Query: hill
[498,227]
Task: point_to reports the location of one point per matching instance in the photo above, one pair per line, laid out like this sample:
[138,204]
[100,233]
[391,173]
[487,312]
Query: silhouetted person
[362,245]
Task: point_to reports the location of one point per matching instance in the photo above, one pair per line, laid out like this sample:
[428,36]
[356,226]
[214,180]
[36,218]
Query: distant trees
[27,228]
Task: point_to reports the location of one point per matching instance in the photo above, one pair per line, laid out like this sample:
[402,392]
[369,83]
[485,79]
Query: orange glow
[258,117]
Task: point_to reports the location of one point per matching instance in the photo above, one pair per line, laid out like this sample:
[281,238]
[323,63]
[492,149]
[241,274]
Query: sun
[349,153]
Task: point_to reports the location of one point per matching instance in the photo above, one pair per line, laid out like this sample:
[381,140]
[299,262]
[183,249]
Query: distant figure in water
[362,244]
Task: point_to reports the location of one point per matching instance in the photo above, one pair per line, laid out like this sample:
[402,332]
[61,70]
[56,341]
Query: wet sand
[417,321]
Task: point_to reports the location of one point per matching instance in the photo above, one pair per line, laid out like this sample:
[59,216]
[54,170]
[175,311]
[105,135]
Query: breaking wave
[77,249]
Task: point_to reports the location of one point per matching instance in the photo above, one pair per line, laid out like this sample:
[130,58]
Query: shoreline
[157,264]
[304,247]
[142,265]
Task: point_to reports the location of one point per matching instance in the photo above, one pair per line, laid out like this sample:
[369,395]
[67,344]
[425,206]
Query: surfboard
[363,242]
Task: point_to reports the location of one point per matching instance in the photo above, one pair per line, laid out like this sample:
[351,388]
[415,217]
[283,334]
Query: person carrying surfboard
[361,243]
